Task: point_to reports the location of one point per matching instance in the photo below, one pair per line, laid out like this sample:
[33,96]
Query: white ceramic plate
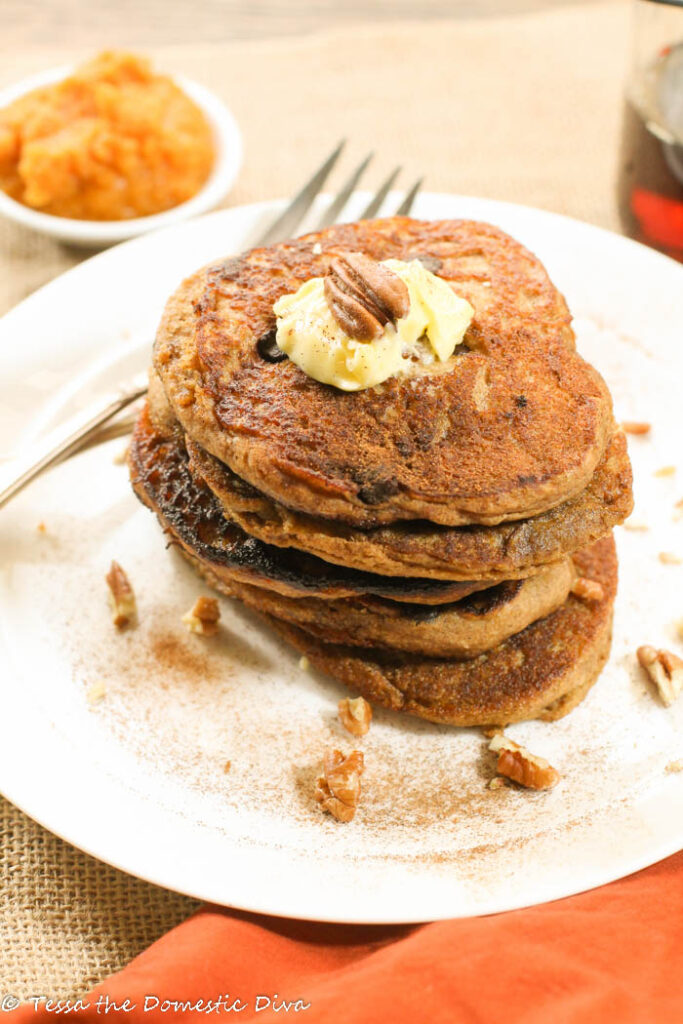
[138,778]
[91,234]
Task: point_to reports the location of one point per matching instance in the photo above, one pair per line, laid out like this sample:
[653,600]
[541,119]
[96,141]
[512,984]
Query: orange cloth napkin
[612,954]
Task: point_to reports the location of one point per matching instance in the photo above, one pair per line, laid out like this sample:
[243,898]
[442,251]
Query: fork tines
[286,223]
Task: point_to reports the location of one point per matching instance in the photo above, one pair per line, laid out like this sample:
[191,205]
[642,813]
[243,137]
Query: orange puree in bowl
[112,141]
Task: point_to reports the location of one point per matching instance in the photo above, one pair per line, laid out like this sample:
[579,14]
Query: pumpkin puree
[110,142]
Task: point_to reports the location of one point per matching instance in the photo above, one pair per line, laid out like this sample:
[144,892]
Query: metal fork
[99,423]
[286,223]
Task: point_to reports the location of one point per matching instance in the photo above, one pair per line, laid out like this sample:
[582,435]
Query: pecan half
[516,763]
[364,295]
[338,790]
[665,669]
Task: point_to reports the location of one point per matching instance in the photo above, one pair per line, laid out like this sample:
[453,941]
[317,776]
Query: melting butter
[309,334]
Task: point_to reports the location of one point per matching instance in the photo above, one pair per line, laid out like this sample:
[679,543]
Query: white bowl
[97,233]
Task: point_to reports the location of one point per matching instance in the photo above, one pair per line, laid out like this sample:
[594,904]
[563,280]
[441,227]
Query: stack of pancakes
[418,540]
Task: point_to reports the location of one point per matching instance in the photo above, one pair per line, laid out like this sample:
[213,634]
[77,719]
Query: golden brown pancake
[512,425]
[464,629]
[541,672]
[194,518]
[503,552]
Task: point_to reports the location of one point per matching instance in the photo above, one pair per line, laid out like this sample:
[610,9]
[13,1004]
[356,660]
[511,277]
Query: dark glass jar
[651,161]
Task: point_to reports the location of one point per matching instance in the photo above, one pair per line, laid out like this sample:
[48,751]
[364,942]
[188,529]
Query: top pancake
[512,425]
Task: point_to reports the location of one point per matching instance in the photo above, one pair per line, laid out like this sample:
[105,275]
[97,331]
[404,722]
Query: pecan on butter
[364,296]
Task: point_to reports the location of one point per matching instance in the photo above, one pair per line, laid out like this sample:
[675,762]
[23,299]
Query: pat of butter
[309,334]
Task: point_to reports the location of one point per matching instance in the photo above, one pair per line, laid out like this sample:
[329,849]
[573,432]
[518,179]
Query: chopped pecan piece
[492,730]
[203,616]
[634,427]
[338,790]
[498,783]
[588,590]
[121,597]
[355,715]
[518,764]
[364,295]
[664,669]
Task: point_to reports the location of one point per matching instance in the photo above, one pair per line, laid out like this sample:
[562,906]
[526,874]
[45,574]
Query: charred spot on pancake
[480,603]
[405,448]
[521,401]
[376,491]
[424,612]
[268,349]
[486,601]
[229,270]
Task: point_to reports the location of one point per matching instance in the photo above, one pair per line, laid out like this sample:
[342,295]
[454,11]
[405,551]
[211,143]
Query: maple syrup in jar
[651,160]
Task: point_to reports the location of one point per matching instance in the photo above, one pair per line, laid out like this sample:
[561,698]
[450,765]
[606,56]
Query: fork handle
[73,435]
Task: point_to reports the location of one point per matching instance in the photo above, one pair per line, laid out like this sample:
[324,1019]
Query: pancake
[463,629]
[542,672]
[507,551]
[192,515]
[513,424]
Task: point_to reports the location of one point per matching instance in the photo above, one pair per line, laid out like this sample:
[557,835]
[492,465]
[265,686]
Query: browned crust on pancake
[419,447]
[506,551]
[461,630]
[193,516]
[531,675]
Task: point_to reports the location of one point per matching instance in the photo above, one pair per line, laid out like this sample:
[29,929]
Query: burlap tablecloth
[522,108]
